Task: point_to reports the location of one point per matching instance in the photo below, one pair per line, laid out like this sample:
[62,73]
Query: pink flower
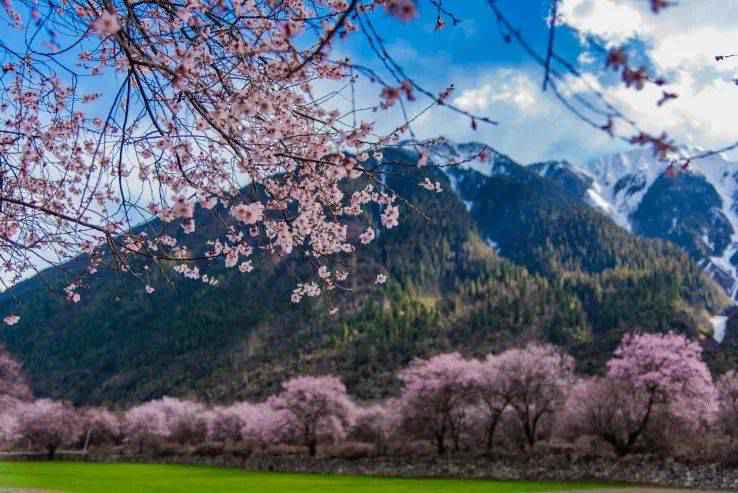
[182,208]
[390,217]
[231,258]
[367,236]
[149,289]
[106,24]
[248,214]
[431,186]
[423,159]
[11,319]
[381,279]
[405,10]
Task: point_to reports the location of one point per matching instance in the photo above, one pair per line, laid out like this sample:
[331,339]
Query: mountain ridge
[696,208]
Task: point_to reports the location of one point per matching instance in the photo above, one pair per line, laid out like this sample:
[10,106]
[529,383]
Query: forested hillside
[489,262]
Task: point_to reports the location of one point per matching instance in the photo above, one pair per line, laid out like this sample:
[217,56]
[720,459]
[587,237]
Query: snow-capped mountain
[696,208]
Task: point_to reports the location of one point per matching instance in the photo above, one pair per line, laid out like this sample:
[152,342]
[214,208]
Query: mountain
[695,208]
[503,255]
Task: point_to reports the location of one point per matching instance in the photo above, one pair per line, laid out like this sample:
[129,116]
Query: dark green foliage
[681,209]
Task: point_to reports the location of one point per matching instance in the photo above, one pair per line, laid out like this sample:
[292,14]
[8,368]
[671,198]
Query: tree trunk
[491,428]
[313,448]
[530,435]
[51,453]
[440,444]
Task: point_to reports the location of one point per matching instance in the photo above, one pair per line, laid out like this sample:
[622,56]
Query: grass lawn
[130,478]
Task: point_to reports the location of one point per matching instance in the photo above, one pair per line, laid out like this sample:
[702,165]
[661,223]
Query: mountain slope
[562,273]
[695,208]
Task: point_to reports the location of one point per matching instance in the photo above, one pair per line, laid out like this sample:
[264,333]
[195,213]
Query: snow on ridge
[723,176]
[633,172]
[719,326]
[635,169]
[443,149]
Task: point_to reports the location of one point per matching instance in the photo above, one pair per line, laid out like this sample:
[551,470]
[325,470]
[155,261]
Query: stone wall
[642,470]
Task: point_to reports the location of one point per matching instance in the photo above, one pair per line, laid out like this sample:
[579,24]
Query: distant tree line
[656,391]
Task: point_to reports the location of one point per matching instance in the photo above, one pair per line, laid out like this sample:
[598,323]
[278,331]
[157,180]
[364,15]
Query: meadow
[144,478]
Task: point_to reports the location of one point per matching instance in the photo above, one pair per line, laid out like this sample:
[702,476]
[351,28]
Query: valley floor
[39,477]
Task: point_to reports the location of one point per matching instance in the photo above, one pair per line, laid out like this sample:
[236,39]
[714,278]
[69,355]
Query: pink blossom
[435,396]
[431,186]
[48,424]
[13,381]
[390,217]
[106,25]
[405,10]
[11,319]
[728,404]
[316,409]
[534,380]
[367,236]
[248,214]
[183,208]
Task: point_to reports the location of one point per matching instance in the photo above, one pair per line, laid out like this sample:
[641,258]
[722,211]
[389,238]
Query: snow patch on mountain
[723,176]
[619,183]
[615,185]
[470,155]
[719,326]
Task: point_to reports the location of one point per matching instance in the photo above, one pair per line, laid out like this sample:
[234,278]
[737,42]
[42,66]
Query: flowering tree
[186,421]
[191,112]
[48,425]
[101,426]
[178,420]
[144,423]
[435,397]
[316,409]
[375,423]
[263,424]
[610,409]
[659,374]
[14,391]
[727,388]
[492,396]
[534,381]
[259,423]
[225,424]
[115,113]
[13,382]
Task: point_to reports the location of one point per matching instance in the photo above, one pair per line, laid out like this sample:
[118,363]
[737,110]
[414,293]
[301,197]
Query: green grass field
[129,478]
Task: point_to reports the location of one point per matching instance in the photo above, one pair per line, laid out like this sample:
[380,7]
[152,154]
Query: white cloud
[613,20]
[507,86]
[681,43]
[533,125]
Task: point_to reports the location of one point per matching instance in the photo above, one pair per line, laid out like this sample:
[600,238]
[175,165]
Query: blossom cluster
[217,119]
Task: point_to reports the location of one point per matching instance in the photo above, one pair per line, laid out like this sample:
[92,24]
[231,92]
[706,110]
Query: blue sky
[499,80]
[477,39]
[474,55]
